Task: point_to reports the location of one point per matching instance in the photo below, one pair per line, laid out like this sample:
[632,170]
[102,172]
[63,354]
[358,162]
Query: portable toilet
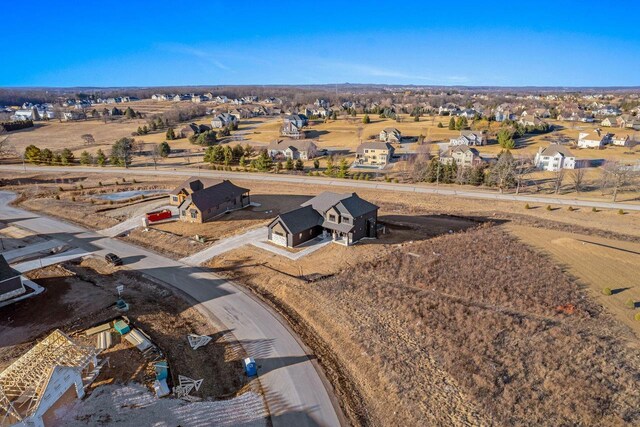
[250,367]
[121,327]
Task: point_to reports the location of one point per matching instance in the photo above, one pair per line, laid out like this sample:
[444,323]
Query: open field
[599,263]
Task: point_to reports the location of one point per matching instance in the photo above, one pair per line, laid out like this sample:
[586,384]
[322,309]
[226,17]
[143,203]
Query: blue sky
[136,43]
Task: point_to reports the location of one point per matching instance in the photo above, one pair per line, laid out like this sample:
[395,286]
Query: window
[184,213]
[175,198]
[346,220]
[332,218]
[194,213]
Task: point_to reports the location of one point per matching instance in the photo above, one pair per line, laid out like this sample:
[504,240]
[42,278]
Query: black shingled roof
[300,219]
[6,272]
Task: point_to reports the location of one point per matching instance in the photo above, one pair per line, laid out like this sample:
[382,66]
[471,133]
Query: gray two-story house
[346,218]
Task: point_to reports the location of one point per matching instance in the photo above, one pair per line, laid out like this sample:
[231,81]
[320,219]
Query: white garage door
[279,240]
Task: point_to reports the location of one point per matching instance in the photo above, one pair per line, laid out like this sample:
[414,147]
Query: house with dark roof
[346,218]
[463,156]
[10,281]
[200,200]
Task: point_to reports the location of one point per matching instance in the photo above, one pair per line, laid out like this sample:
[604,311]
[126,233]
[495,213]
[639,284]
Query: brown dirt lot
[80,295]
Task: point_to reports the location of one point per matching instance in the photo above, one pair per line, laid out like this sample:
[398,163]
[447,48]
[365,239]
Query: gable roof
[351,204]
[374,146]
[6,272]
[299,144]
[300,219]
[554,149]
[391,130]
[193,184]
[463,148]
[214,195]
[32,371]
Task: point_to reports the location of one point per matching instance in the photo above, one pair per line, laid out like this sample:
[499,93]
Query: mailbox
[250,367]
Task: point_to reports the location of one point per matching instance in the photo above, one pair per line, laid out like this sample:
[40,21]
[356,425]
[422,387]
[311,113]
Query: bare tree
[558,179]
[617,176]
[524,165]
[419,164]
[577,178]
[4,143]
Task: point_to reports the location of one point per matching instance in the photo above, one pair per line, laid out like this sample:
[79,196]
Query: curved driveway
[294,388]
[382,186]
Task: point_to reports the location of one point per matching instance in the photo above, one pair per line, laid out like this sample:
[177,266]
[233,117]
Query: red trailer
[158,215]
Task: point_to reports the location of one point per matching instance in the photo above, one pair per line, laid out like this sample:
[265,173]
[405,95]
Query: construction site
[113,333]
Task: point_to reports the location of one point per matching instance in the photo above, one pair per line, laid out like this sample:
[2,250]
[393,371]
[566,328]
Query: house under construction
[55,371]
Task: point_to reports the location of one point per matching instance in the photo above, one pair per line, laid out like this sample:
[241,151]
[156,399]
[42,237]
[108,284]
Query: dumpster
[250,367]
[122,327]
[162,370]
[158,215]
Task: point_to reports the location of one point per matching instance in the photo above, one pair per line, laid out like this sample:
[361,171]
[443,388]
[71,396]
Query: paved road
[294,389]
[226,245]
[349,184]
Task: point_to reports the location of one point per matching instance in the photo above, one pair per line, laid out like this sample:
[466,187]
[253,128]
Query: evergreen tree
[164,150]
[440,125]
[316,164]
[289,164]
[86,158]
[122,152]
[505,138]
[32,154]
[343,171]
[46,156]
[242,162]
[129,113]
[66,157]
[264,162]
[228,155]
[171,135]
[452,123]
[366,120]
[299,165]
[101,159]
[330,170]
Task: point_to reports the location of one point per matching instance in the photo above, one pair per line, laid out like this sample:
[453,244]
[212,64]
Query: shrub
[124,180]
[99,183]
[57,197]
[60,189]
[620,211]
[570,209]
[548,207]
[81,187]
[134,181]
[637,317]
[593,209]
[73,199]
[527,206]
[606,291]
[395,180]
[630,303]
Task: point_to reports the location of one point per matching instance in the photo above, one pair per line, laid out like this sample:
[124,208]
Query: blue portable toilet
[250,367]
[162,370]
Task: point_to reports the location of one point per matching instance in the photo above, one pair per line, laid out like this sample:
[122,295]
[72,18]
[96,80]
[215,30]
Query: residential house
[448,109]
[468,113]
[374,154]
[291,130]
[469,138]
[530,121]
[223,120]
[300,120]
[322,103]
[554,158]
[609,122]
[42,381]
[304,149]
[463,155]
[203,200]
[221,99]
[10,281]
[621,141]
[628,121]
[199,98]
[593,139]
[345,217]
[189,130]
[390,134]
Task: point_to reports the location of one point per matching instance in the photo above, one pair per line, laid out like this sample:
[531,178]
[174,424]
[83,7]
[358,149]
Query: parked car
[113,259]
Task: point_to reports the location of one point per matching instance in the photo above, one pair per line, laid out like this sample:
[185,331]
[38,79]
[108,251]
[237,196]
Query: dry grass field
[460,329]
[598,263]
